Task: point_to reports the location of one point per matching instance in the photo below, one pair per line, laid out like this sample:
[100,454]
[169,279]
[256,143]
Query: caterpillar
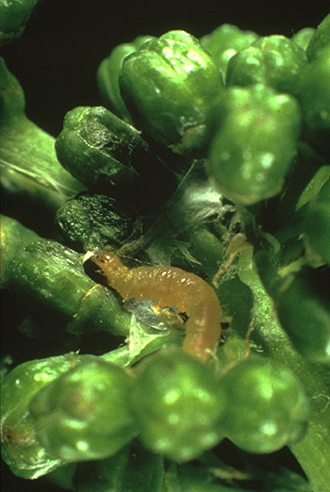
[170,286]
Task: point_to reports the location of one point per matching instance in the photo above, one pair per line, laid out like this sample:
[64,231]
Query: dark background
[56,59]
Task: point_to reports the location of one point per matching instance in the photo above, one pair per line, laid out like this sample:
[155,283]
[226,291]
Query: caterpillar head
[105,260]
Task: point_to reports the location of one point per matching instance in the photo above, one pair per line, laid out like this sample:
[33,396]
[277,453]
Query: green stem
[30,171]
[29,166]
[313,450]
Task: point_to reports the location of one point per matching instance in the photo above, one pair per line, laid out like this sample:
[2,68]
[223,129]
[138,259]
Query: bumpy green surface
[72,414]
[170,86]
[268,407]
[14,16]
[178,404]
[256,144]
[233,113]
[275,61]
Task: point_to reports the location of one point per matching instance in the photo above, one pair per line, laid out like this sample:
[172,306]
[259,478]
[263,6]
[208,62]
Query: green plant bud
[256,143]
[95,221]
[170,86]
[317,223]
[267,407]
[14,14]
[314,90]
[109,156]
[84,414]
[303,36]
[51,280]
[225,41]
[108,74]
[95,146]
[314,97]
[178,405]
[275,61]
[20,449]
[320,39]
